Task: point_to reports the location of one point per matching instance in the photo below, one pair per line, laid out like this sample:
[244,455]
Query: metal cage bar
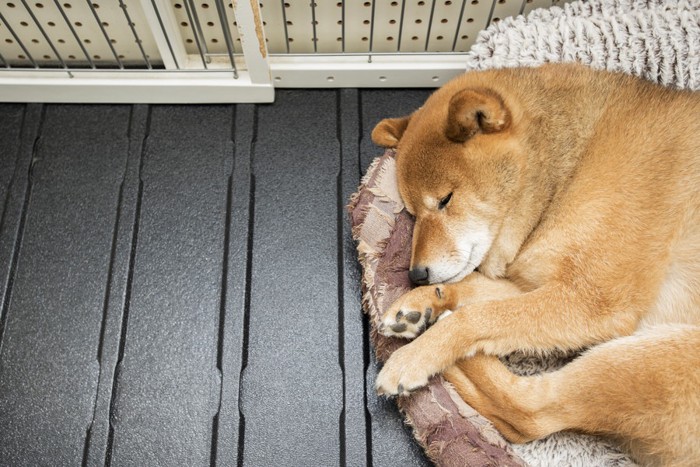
[430,25]
[285,22]
[165,35]
[75,34]
[197,26]
[459,24]
[342,25]
[371,28]
[188,6]
[104,33]
[403,12]
[493,6]
[43,33]
[227,35]
[138,40]
[313,24]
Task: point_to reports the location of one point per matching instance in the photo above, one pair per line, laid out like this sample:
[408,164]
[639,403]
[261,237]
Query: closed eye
[444,201]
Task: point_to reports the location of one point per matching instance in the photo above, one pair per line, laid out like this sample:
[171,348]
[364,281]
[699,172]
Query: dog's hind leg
[644,388]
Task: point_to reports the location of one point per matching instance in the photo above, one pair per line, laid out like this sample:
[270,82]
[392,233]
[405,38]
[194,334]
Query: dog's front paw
[404,372]
[411,314]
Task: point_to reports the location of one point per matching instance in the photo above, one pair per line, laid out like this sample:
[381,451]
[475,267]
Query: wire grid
[114,34]
[75,34]
[377,27]
[210,32]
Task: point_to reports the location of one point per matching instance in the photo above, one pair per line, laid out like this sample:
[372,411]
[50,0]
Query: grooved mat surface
[178,285]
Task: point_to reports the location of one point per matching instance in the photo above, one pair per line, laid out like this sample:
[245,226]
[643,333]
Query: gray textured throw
[653,39]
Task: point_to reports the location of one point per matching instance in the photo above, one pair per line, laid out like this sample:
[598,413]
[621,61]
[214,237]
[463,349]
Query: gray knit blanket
[652,39]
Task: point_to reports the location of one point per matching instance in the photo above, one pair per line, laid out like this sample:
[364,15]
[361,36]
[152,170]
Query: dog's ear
[475,111]
[389,131]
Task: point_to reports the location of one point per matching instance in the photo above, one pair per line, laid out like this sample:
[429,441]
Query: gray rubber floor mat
[179,287]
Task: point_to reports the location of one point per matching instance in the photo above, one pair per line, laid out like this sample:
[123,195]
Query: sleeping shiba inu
[556,208]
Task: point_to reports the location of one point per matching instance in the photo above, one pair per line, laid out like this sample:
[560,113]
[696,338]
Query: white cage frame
[205,51]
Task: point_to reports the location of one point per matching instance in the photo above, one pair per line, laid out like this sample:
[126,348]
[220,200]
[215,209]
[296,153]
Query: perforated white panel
[76,34]
[504,8]
[379,26]
[202,29]
[115,34]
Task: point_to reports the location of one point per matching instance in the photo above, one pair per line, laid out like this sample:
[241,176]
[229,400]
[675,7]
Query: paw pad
[413,317]
[407,324]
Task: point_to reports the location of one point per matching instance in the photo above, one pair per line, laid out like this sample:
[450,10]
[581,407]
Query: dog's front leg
[547,318]
[421,307]
[416,310]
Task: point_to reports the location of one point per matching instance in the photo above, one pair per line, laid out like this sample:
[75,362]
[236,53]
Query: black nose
[418,275]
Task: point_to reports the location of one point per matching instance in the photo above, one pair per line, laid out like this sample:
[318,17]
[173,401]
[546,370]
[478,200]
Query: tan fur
[576,193]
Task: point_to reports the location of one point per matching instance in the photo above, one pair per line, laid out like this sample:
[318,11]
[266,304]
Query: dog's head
[459,167]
